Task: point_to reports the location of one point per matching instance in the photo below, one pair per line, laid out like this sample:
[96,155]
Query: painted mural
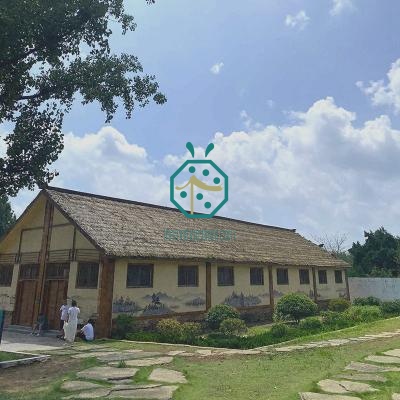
[159,303]
[242,300]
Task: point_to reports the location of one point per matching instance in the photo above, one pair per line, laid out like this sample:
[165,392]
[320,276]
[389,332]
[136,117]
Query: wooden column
[44,249]
[105,299]
[314,281]
[347,284]
[208,285]
[271,288]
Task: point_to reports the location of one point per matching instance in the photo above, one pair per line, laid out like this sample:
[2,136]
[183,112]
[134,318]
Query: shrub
[391,307]
[190,331]
[311,324]
[279,330]
[145,336]
[170,330]
[296,306]
[233,327]
[335,320]
[367,301]
[339,305]
[219,313]
[363,313]
[124,324]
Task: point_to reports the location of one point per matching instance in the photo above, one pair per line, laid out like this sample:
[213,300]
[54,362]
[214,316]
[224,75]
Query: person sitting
[87,332]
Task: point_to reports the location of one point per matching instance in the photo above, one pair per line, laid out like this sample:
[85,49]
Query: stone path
[358,378]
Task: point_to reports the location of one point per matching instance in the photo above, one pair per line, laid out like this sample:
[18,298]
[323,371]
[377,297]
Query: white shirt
[73,313]
[64,312]
[88,331]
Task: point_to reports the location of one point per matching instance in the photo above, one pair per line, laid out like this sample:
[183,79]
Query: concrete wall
[382,288]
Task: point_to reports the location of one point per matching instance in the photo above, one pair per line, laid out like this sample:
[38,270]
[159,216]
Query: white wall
[382,288]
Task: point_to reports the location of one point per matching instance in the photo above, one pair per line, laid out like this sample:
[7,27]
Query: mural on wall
[241,300]
[159,303]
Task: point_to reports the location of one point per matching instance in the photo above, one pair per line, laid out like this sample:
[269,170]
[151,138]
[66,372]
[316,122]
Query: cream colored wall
[81,242]
[87,299]
[294,285]
[136,301]
[331,290]
[62,237]
[253,295]
[7,294]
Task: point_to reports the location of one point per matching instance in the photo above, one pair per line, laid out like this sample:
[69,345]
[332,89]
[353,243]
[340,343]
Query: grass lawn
[7,356]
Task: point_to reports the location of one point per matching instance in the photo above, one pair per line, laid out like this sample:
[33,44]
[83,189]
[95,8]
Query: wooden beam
[208,285]
[105,299]
[271,288]
[44,248]
[347,284]
[314,280]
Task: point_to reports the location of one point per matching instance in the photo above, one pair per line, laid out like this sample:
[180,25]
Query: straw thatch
[123,228]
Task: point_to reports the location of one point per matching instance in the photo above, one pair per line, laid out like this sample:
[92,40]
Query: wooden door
[26,291]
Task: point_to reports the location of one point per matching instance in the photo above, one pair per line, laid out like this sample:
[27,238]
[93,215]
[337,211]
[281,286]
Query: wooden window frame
[278,278]
[78,284]
[181,269]
[337,271]
[301,278]
[254,271]
[149,266]
[8,274]
[31,277]
[219,281]
[323,273]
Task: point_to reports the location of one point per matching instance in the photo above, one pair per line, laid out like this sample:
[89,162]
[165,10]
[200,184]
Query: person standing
[63,319]
[72,323]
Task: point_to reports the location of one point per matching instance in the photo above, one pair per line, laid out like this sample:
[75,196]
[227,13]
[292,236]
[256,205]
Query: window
[225,276]
[88,275]
[282,276]
[304,276]
[257,276]
[338,276]
[57,271]
[29,271]
[6,274]
[188,275]
[140,275]
[322,276]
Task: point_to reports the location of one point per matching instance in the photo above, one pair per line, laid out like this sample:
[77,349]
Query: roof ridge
[99,196]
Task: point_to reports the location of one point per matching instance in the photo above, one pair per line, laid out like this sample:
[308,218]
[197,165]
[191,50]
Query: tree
[335,244]
[7,217]
[52,52]
[379,255]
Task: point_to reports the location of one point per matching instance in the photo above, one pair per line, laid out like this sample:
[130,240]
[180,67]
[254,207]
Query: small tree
[7,217]
[219,313]
[296,306]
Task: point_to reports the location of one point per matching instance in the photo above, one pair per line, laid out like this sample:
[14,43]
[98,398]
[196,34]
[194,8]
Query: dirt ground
[36,375]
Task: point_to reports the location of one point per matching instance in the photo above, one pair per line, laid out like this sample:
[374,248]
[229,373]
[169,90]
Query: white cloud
[216,68]
[341,6]
[320,173]
[299,21]
[385,93]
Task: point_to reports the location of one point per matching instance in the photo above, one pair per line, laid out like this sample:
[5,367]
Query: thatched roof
[123,228]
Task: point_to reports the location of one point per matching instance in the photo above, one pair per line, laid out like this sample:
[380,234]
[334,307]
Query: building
[118,256]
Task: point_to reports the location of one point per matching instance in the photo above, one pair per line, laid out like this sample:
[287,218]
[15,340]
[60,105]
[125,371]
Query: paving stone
[126,355]
[175,352]
[341,387]
[62,352]
[93,347]
[120,381]
[204,352]
[187,354]
[289,348]
[88,354]
[238,352]
[321,396]
[167,376]
[384,359]
[146,362]
[90,394]
[396,396]
[363,367]
[338,342]
[393,353]
[74,386]
[331,386]
[363,377]
[107,373]
[156,393]
[133,387]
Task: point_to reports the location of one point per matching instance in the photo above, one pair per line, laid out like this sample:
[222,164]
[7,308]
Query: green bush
[124,324]
[219,313]
[335,320]
[367,301]
[190,331]
[359,314]
[279,330]
[233,327]
[170,330]
[311,324]
[145,337]
[339,305]
[391,307]
[296,306]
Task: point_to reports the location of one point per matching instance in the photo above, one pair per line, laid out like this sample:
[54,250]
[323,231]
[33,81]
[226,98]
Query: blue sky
[295,95]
